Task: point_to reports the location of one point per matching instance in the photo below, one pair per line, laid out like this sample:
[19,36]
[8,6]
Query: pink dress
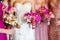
[41,31]
[3,36]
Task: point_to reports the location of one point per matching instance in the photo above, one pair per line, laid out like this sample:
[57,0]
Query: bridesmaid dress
[54,32]
[3,36]
[41,30]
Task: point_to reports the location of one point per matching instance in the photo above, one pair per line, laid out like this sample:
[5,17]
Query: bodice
[21,9]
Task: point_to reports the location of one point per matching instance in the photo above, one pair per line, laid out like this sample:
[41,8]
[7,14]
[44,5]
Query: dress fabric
[54,29]
[25,32]
[3,36]
[41,31]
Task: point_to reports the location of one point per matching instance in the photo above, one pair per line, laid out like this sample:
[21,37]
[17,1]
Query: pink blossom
[26,14]
[47,11]
[38,18]
[9,7]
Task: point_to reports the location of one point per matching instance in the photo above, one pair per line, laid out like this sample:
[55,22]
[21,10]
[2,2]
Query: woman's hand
[52,15]
[18,26]
[0,30]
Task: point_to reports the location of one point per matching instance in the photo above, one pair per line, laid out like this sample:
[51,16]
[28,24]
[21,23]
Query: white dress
[24,32]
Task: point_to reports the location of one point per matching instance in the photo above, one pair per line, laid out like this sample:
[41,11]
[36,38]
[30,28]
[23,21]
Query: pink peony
[38,18]
[47,11]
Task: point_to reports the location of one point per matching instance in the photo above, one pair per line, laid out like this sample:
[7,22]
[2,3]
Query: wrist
[0,30]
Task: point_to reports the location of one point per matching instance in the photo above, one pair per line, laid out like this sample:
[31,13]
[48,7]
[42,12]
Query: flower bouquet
[45,14]
[32,18]
[10,18]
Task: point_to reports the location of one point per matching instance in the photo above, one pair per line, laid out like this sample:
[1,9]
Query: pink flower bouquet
[32,18]
[10,18]
[45,13]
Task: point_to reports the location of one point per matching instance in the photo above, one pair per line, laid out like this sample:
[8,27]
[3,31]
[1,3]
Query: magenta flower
[9,7]
[26,14]
[38,18]
[32,13]
[47,11]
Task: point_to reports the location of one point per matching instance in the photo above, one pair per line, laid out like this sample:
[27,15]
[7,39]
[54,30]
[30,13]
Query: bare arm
[7,31]
[33,4]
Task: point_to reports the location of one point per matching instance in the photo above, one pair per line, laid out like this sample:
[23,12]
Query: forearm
[33,4]
[7,31]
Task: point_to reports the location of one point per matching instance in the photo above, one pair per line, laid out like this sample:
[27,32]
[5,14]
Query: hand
[7,31]
[0,30]
[52,15]
[18,26]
